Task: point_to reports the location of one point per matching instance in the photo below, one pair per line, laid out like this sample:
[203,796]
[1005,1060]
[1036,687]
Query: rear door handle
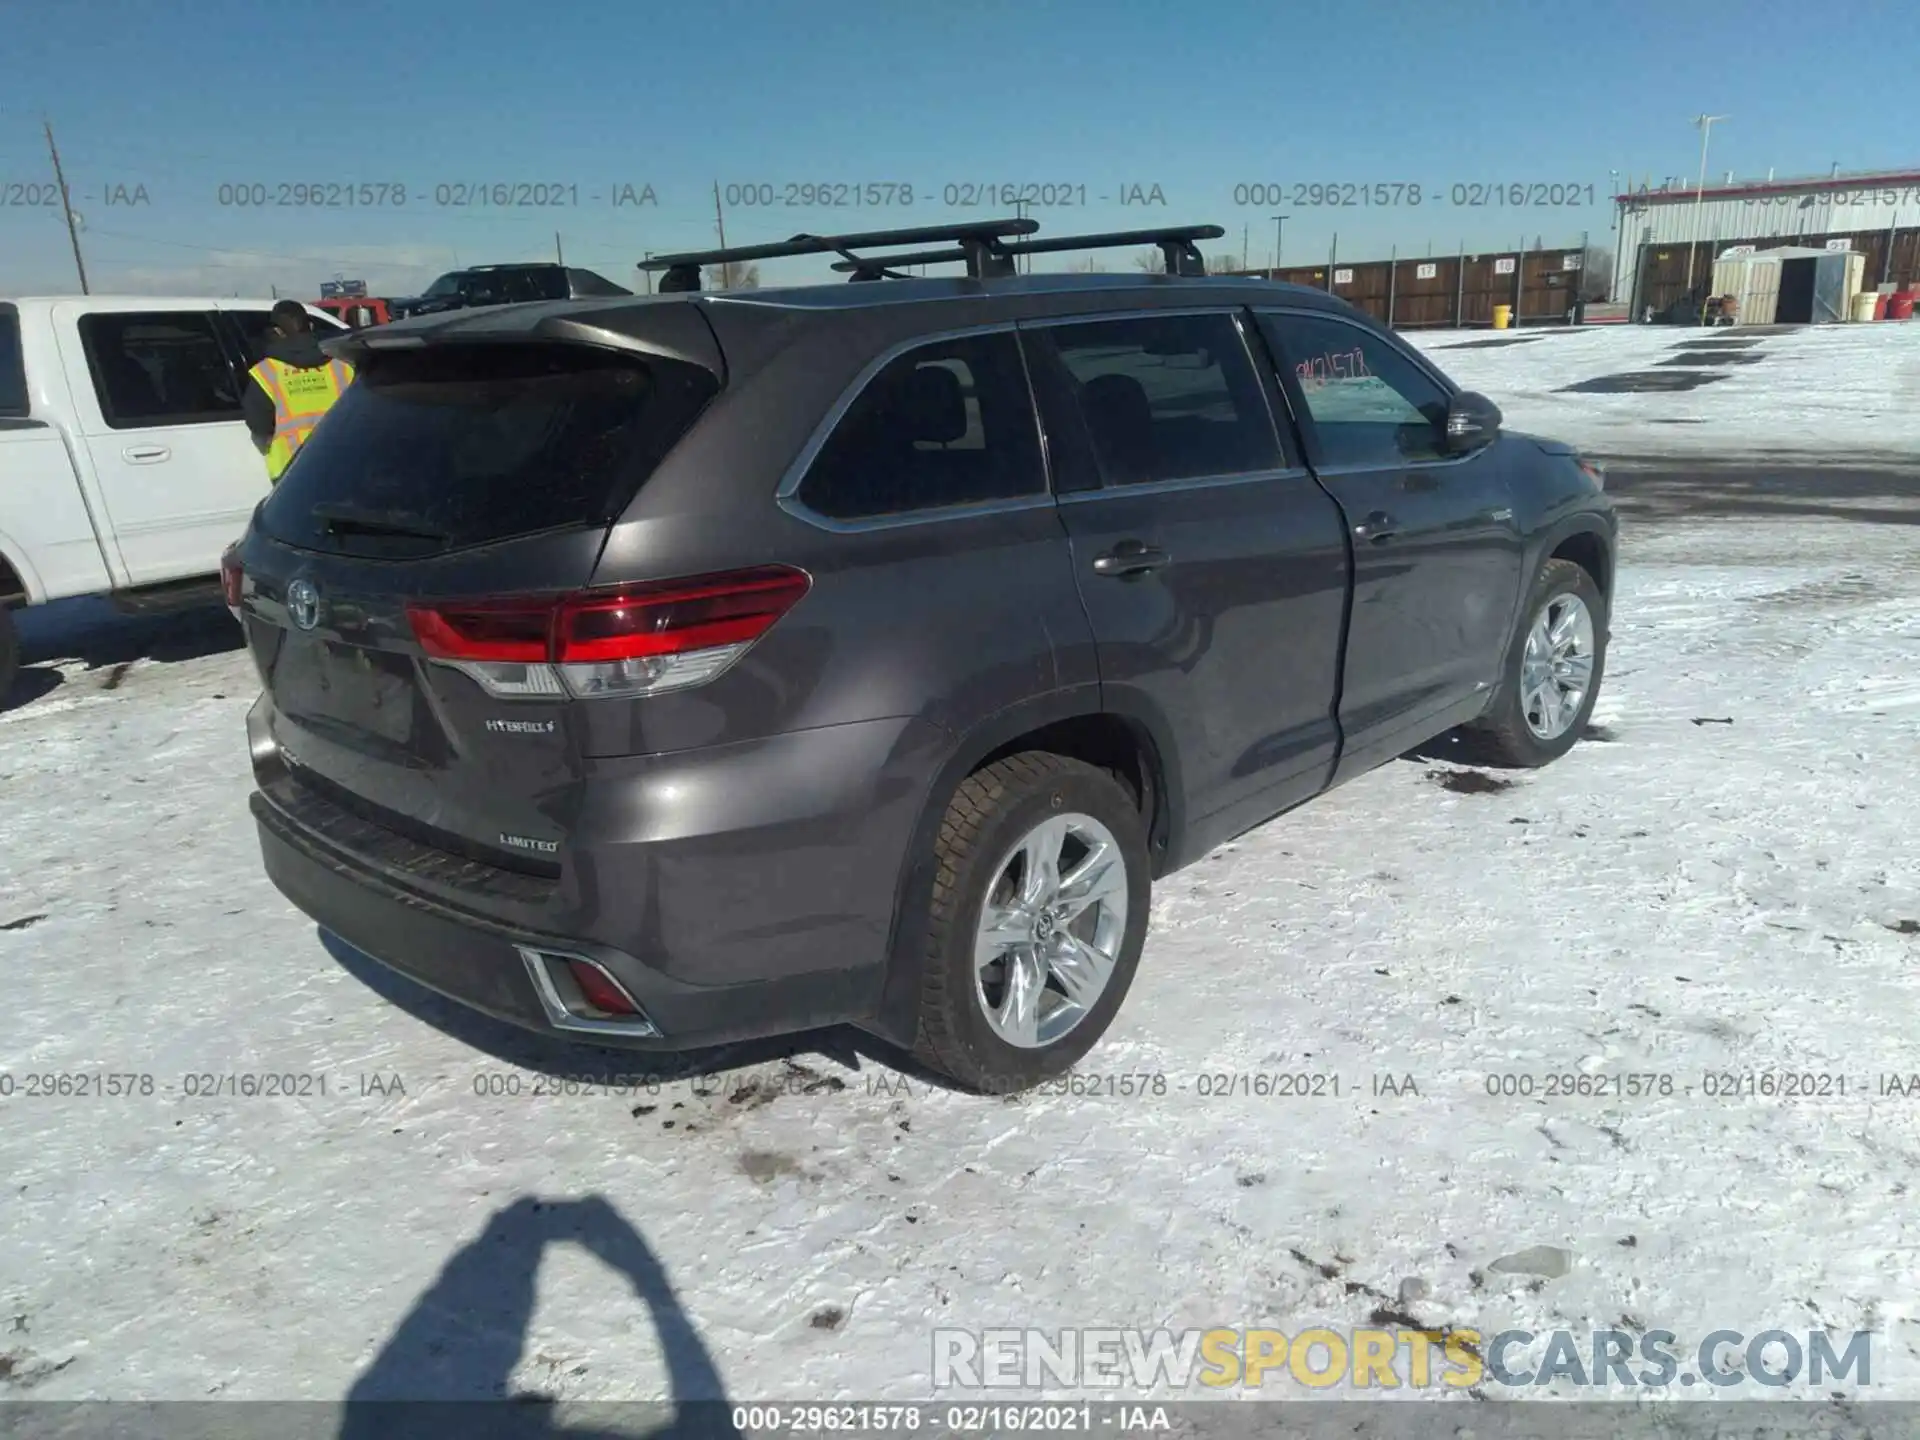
[146,454]
[1128,559]
[1378,528]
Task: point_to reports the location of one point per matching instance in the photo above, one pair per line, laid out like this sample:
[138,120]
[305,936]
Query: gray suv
[678,669]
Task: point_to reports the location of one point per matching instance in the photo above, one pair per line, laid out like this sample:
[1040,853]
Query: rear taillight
[231,576]
[634,641]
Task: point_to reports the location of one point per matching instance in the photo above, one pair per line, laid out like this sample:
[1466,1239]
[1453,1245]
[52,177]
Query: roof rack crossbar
[982,242]
[1176,245]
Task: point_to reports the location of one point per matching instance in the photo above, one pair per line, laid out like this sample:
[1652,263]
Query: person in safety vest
[293,386]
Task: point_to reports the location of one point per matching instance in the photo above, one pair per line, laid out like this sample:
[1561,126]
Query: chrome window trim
[1133,312]
[787,494]
[1191,482]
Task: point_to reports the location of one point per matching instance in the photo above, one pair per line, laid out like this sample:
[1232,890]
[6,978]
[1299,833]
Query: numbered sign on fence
[1425,272]
[1503,266]
[1569,262]
[1343,277]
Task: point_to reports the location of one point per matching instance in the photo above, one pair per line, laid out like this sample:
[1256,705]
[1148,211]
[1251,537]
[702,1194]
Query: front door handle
[146,454]
[1379,527]
[1128,559]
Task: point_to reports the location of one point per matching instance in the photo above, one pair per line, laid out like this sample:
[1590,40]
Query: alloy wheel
[1050,930]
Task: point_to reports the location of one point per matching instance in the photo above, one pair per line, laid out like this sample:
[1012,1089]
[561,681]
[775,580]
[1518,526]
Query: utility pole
[1279,227]
[559,255]
[66,208]
[1705,122]
[720,224]
[1243,247]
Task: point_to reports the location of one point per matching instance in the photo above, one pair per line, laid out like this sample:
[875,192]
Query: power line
[248,250]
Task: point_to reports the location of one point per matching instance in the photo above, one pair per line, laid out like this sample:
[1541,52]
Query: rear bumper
[473,960]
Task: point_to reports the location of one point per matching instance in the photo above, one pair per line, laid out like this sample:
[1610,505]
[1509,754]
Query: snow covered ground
[1723,881]
[1822,394]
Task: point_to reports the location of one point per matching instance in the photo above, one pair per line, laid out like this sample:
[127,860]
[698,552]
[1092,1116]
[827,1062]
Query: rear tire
[1535,716]
[9,654]
[1039,913]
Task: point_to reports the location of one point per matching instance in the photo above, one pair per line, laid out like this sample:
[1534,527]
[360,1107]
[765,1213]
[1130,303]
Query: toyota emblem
[303,604]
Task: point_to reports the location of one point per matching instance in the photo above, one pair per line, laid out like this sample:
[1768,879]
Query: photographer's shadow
[448,1366]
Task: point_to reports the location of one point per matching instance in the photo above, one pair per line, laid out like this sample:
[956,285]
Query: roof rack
[982,244]
[1176,247]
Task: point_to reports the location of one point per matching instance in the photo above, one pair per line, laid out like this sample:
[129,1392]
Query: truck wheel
[1551,677]
[9,654]
[1038,917]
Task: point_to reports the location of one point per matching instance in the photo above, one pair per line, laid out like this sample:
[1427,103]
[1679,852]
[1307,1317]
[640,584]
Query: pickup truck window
[253,326]
[159,368]
[13,368]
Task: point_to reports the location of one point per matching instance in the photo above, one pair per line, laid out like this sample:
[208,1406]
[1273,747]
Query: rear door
[1213,568]
[46,535]
[1437,551]
[400,582]
[157,397]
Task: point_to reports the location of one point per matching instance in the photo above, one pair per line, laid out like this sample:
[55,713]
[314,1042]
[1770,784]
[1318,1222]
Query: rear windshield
[462,445]
[13,369]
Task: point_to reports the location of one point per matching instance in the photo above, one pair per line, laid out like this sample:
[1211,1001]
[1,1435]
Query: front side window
[1369,404]
[947,424]
[163,368]
[1166,397]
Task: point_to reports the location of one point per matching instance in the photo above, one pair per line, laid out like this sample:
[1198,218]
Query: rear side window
[1166,397]
[461,445]
[163,368]
[13,366]
[950,423]
[1369,404]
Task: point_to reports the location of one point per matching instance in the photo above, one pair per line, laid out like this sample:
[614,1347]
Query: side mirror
[1473,421]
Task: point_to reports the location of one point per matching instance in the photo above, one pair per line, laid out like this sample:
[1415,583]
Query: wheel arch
[16,582]
[1584,540]
[1126,735]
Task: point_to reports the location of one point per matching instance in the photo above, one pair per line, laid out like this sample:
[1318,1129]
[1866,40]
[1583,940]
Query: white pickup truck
[125,467]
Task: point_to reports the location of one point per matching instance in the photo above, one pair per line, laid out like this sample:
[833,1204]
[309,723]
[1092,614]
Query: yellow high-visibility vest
[300,398]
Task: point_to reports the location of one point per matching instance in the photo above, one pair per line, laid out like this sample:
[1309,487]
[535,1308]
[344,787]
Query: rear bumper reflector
[581,995]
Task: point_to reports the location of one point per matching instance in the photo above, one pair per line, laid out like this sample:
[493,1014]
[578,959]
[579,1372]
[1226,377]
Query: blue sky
[586,98]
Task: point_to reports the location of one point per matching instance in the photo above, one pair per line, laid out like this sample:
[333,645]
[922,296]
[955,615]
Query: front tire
[1039,914]
[1551,676]
[9,654]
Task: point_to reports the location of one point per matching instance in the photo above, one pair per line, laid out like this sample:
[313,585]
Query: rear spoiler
[668,328]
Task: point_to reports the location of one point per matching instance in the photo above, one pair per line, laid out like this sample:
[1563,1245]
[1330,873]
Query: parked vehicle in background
[356,311]
[125,465]
[683,669]
[506,285]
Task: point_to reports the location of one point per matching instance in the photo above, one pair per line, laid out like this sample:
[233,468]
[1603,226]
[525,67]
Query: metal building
[1876,213]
